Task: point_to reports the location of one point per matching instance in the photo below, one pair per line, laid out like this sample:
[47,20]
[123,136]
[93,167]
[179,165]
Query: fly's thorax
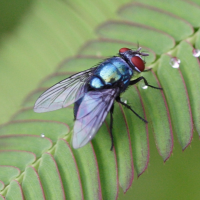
[110,72]
[124,69]
[122,66]
[105,75]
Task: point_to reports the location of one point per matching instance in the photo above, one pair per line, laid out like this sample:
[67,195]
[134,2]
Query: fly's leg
[111,126]
[129,107]
[145,81]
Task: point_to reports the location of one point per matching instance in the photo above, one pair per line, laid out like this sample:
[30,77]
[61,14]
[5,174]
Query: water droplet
[145,87]
[196,52]
[42,135]
[123,100]
[175,62]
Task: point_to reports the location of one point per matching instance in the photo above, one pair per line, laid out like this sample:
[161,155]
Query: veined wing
[91,114]
[64,93]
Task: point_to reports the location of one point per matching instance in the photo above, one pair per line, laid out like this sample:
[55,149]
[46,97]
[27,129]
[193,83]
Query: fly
[93,93]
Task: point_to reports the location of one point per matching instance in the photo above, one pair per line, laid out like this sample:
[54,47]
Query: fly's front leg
[145,81]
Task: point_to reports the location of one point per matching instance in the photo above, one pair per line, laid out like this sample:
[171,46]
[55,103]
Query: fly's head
[133,58]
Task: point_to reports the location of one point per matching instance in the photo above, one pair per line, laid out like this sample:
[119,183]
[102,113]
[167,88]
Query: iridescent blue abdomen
[112,71]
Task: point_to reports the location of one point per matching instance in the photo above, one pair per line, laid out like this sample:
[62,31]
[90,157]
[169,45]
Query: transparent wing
[64,93]
[91,114]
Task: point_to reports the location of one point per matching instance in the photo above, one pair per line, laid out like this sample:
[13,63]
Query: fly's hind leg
[111,126]
[129,107]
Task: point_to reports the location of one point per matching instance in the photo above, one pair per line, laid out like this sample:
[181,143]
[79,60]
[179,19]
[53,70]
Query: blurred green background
[32,44]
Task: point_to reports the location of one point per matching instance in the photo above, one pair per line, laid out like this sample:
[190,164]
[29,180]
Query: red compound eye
[122,50]
[138,62]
